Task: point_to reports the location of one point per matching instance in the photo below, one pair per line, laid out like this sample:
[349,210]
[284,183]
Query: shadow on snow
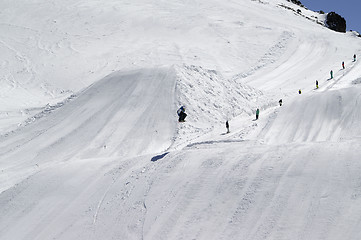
[158,157]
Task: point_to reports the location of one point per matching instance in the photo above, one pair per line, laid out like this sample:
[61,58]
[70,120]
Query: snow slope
[109,118]
[332,116]
[90,147]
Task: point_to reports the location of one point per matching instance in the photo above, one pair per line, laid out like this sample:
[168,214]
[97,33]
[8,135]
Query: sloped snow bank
[327,116]
[210,100]
[124,114]
[212,191]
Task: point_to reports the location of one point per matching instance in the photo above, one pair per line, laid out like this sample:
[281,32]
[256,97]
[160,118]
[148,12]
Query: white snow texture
[90,143]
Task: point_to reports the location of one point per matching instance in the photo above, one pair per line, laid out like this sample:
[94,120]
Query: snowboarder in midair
[227,126]
[354,57]
[280,102]
[181,113]
[257,113]
[316,84]
[343,65]
[331,73]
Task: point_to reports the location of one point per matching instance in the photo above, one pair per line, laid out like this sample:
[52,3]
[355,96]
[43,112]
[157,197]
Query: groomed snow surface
[90,146]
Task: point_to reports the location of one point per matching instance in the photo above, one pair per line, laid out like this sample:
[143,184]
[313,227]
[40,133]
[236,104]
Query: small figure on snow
[354,57]
[316,84]
[299,91]
[280,102]
[227,126]
[181,113]
[343,65]
[331,73]
[257,113]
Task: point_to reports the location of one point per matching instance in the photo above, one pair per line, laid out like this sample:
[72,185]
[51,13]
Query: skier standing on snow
[331,73]
[280,102]
[299,91]
[343,65]
[227,126]
[354,57]
[257,113]
[316,84]
[181,113]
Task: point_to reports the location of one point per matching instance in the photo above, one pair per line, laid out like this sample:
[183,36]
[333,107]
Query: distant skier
[316,84]
[181,113]
[299,91]
[331,73]
[257,113]
[280,102]
[227,126]
[343,65]
[354,57]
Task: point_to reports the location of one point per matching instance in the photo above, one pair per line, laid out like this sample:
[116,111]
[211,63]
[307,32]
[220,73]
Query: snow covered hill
[331,116]
[90,146]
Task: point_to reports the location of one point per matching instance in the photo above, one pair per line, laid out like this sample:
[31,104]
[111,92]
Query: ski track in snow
[112,162]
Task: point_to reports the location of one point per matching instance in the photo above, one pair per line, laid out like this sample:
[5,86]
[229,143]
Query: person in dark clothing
[316,84]
[227,126]
[299,91]
[181,114]
[331,73]
[354,57]
[257,113]
[280,102]
[343,65]
[182,117]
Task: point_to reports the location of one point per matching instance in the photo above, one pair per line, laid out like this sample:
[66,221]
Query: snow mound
[329,116]
[210,100]
[124,114]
